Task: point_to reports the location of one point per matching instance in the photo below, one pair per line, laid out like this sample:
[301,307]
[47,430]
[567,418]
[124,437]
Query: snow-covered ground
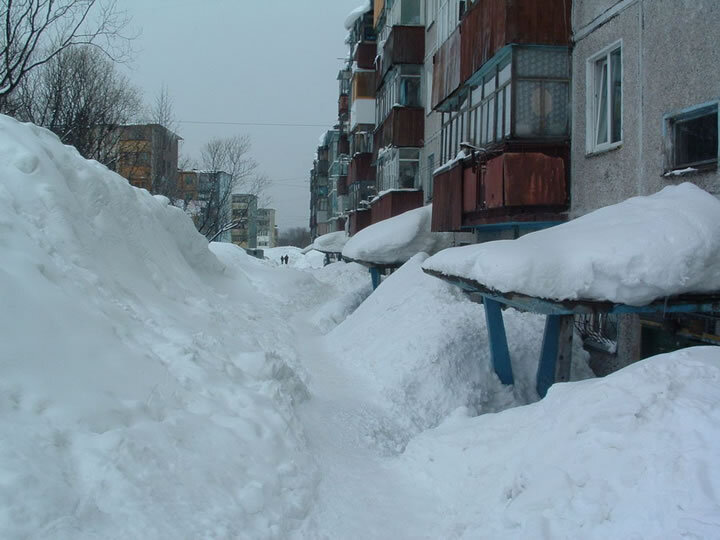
[155,387]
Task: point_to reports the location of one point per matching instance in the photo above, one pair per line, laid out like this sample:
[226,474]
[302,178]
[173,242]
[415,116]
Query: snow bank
[634,252]
[142,394]
[353,285]
[331,242]
[356,13]
[395,240]
[632,455]
[421,346]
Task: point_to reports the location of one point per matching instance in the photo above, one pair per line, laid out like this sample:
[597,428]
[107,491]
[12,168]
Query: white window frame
[590,106]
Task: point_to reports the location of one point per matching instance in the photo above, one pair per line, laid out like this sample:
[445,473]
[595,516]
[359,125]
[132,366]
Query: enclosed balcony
[403,127]
[487,27]
[365,54]
[405,45]
[394,203]
[526,189]
[361,168]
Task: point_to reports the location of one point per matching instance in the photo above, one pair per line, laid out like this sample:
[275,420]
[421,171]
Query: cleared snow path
[362,491]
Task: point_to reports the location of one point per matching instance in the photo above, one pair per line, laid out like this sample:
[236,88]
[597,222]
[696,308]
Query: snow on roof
[356,13]
[397,239]
[331,242]
[633,252]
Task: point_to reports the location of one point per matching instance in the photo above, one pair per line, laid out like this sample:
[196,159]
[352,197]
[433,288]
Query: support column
[556,352]
[375,276]
[499,352]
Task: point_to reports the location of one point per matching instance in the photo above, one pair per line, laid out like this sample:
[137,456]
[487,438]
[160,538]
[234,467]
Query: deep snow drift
[633,252]
[143,395]
[155,388]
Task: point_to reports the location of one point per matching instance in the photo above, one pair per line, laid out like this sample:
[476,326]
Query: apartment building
[147,155]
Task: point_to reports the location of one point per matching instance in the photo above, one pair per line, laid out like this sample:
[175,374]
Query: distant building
[147,155]
[244,209]
[207,198]
[266,228]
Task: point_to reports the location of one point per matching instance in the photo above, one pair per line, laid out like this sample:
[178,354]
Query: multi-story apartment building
[147,155]
[319,184]
[501,81]
[207,197]
[266,228]
[244,210]
[400,106]
[360,89]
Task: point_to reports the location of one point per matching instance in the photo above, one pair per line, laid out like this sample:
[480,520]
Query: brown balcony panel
[359,220]
[365,54]
[361,169]
[404,45]
[344,145]
[342,186]
[491,24]
[447,200]
[343,105]
[395,203]
[446,69]
[404,127]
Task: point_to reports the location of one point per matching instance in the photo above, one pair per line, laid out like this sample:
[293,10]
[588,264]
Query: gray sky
[265,61]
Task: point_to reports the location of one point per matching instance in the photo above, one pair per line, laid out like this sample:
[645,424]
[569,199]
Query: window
[604,99]
[691,138]
[430,170]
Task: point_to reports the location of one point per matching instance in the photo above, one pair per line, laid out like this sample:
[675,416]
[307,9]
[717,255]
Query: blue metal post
[556,352]
[499,352]
[375,276]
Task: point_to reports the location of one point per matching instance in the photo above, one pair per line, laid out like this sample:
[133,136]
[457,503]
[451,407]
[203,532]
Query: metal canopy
[556,350]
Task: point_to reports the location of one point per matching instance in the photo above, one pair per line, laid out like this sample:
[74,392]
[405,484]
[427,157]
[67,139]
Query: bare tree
[82,97]
[231,156]
[36,31]
[295,236]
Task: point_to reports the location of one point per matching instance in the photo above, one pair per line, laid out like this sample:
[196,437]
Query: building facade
[266,228]
[147,155]
[244,210]
[645,115]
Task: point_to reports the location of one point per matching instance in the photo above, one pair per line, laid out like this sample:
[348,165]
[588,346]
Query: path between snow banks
[362,492]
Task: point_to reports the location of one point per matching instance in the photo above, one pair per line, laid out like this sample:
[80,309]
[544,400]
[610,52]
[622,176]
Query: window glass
[489,86]
[500,115]
[616,93]
[555,108]
[695,138]
[491,120]
[408,172]
[527,109]
[410,13]
[504,72]
[535,62]
[601,101]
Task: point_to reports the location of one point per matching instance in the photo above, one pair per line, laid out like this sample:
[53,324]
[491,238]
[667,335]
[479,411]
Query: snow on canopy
[396,240]
[631,455]
[137,399]
[356,13]
[634,252]
[331,242]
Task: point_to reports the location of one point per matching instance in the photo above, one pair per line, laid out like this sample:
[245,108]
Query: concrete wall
[670,63]
[433,120]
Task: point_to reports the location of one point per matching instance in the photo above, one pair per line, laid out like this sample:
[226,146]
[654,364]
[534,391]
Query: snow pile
[356,13]
[421,346]
[632,455]
[331,242]
[143,394]
[353,285]
[310,260]
[395,240]
[634,252]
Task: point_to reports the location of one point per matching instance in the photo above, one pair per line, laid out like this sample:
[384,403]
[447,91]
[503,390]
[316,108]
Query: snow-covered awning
[394,241]
[356,13]
[330,243]
[634,252]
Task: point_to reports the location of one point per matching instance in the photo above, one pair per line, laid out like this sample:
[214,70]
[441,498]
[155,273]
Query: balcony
[361,169]
[405,45]
[343,105]
[359,219]
[394,203]
[403,127]
[365,54]
[486,28]
[512,187]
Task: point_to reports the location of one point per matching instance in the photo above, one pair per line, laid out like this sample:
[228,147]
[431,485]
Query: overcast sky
[253,61]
